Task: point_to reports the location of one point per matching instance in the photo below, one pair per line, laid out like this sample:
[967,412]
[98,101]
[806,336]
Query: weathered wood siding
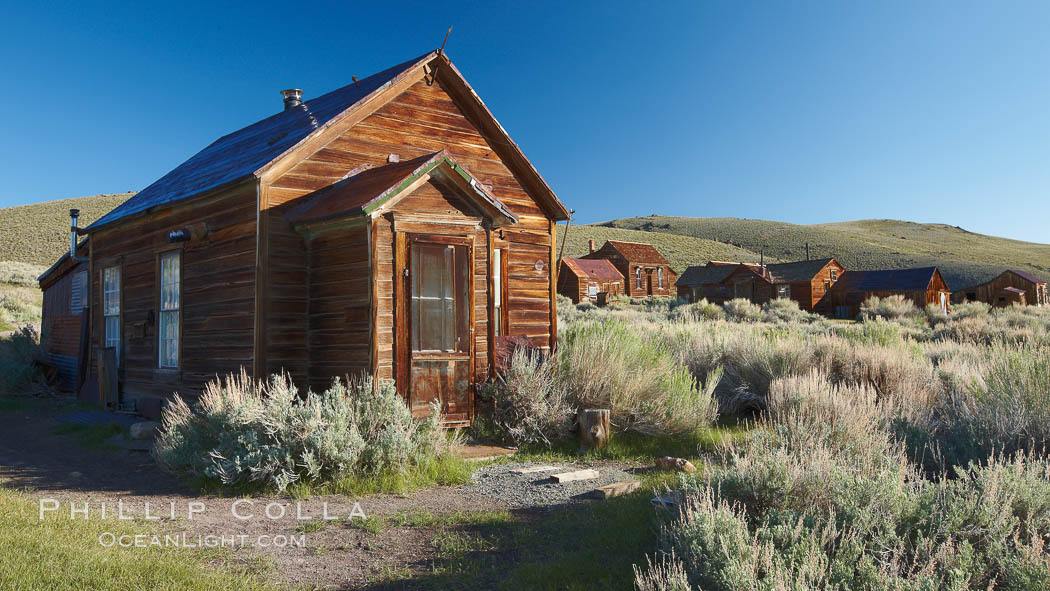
[217,294]
[286,300]
[818,301]
[569,285]
[990,292]
[340,284]
[422,120]
[61,325]
[576,288]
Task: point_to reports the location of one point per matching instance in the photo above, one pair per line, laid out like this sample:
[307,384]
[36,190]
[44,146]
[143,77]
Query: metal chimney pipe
[73,215]
[293,97]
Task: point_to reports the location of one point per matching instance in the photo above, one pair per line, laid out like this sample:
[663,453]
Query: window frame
[834,274]
[176,252]
[499,289]
[118,268]
[639,282]
[660,277]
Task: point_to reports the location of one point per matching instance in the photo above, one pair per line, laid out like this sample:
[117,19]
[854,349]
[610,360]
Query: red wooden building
[646,272]
[585,280]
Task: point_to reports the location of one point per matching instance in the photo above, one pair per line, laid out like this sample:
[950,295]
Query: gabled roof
[597,269]
[888,280]
[638,252]
[248,152]
[706,275]
[1026,276]
[63,265]
[371,188]
[795,271]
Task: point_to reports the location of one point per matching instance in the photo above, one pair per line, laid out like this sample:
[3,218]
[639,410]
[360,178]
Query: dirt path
[336,555]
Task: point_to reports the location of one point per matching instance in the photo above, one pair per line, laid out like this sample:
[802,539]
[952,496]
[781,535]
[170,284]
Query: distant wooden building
[923,286]
[1003,290]
[389,228]
[706,282]
[806,282]
[646,272]
[584,280]
[64,318]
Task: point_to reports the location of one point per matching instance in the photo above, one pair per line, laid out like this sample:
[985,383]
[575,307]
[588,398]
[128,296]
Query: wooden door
[441,325]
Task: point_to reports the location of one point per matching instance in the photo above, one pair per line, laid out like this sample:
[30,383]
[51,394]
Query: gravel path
[499,483]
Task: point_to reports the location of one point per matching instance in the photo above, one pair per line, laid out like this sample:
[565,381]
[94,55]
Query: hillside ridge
[965,257]
[38,234]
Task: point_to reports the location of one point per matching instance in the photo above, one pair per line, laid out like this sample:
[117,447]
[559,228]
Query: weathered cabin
[995,292]
[923,286]
[706,282]
[584,280]
[64,318]
[806,282]
[646,272]
[389,228]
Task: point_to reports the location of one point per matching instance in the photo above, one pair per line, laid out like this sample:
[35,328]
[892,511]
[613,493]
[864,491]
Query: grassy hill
[964,257]
[680,251]
[39,233]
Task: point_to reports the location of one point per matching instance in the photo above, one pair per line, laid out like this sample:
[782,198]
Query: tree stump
[595,430]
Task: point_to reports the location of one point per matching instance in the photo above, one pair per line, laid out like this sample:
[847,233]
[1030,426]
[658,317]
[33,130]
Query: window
[111,307]
[834,274]
[660,277]
[497,291]
[783,292]
[638,278]
[170,310]
[78,293]
[592,289]
[440,298]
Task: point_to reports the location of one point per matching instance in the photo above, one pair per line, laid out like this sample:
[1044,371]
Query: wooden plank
[563,477]
[534,469]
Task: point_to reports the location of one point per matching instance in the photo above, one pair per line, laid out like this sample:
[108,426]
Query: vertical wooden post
[595,429]
[107,377]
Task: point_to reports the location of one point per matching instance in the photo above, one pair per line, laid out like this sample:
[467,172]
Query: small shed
[992,292]
[582,280]
[646,272]
[64,327]
[1011,296]
[923,286]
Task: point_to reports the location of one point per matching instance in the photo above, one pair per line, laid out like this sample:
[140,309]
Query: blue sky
[803,112]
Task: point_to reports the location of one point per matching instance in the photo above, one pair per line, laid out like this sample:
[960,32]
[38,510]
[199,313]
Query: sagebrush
[243,434]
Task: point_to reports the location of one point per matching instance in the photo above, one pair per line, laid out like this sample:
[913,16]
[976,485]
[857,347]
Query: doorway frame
[403,314]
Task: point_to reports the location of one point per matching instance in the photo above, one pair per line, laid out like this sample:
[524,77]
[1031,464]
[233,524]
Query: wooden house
[389,228]
[584,280]
[706,282]
[1002,290]
[806,282]
[64,318]
[646,272]
[923,286]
